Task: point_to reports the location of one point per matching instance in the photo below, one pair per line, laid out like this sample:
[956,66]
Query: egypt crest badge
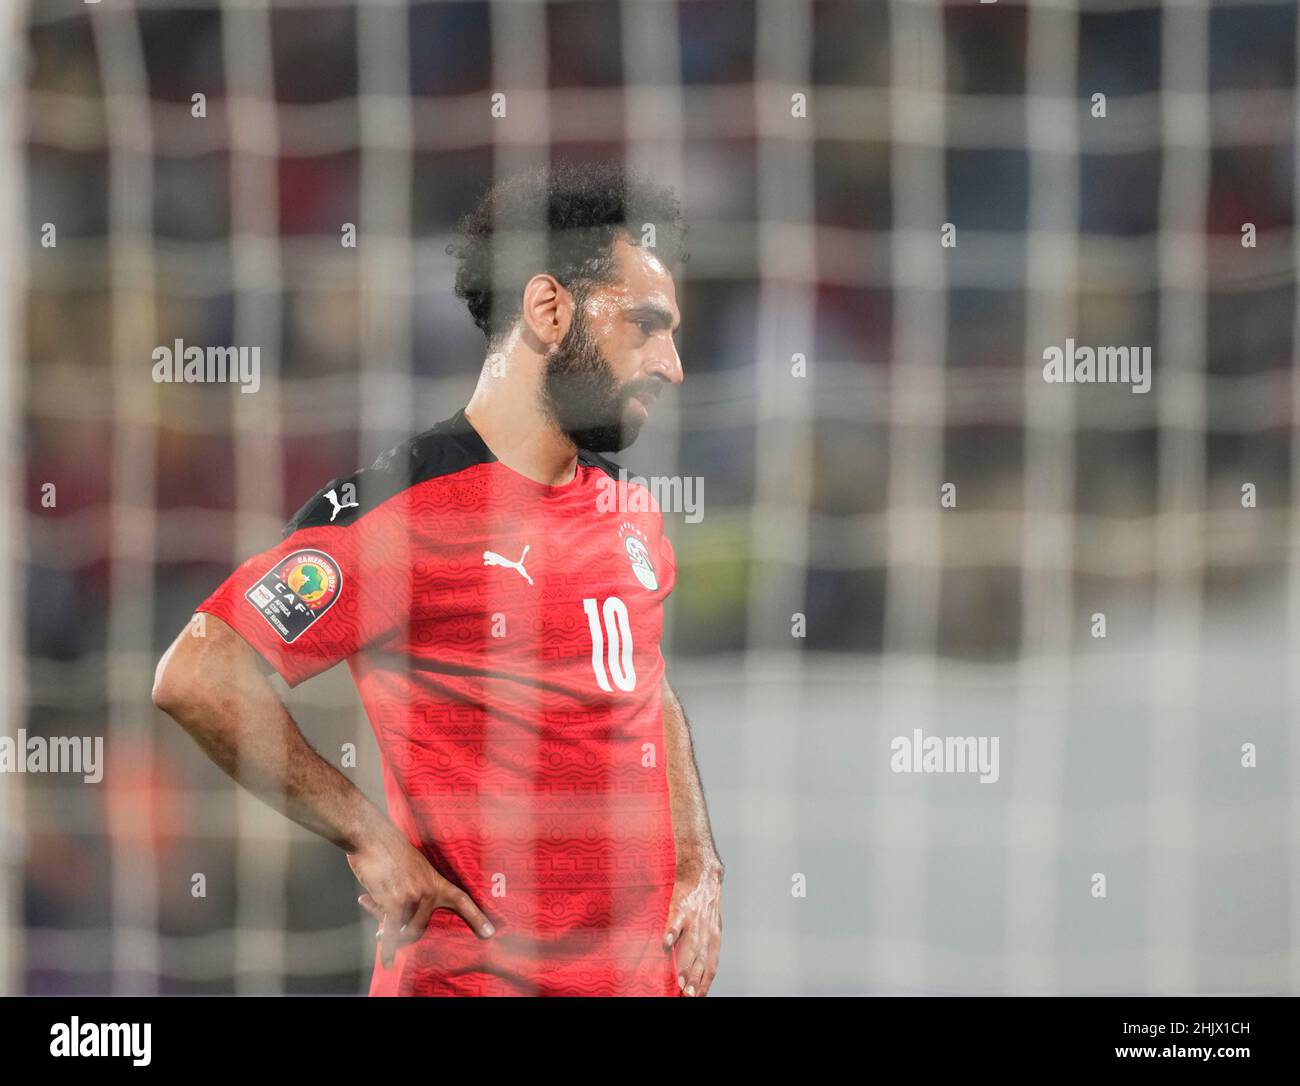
[294,594]
[639,555]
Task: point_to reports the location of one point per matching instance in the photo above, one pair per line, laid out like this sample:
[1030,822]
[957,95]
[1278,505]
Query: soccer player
[497,590]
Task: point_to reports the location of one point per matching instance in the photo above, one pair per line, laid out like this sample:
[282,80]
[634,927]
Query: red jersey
[504,638]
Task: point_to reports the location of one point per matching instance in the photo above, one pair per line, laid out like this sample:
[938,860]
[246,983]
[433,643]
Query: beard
[583,397]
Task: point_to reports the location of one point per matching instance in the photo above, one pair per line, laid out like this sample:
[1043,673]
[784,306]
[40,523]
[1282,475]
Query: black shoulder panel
[450,446]
[595,460]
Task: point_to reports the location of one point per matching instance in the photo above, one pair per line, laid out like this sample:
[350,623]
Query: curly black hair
[562,219]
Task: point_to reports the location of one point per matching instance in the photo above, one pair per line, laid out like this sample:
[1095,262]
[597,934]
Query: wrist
[371,830]
[699,863]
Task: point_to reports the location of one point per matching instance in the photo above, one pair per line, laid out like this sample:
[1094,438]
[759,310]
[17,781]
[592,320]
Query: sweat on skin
[505,434]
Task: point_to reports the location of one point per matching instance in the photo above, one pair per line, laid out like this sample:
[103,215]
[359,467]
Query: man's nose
[668,364]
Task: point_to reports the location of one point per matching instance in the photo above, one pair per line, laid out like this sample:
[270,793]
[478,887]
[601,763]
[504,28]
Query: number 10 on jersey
[611,643]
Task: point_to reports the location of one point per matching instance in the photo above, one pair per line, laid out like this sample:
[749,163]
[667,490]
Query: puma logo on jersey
[491,558]
[338,505]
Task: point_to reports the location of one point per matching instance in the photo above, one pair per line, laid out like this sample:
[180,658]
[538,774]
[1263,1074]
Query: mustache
[650,386]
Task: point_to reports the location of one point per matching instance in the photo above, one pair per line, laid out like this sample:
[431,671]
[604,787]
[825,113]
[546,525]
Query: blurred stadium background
[814,236]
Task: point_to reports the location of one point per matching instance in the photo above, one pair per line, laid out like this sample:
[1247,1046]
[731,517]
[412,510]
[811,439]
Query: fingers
[390,937]
[461,903]
[414,928]
[689,953]
[699,973]
[402,890]
[697,953]
[677,923]
[676,917]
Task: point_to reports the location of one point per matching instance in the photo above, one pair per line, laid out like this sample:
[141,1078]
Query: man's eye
[646,326]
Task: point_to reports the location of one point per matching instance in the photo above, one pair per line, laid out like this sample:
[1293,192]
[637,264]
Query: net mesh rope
[814,240]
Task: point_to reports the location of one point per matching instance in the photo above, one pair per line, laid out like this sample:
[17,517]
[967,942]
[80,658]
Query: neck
[507,412]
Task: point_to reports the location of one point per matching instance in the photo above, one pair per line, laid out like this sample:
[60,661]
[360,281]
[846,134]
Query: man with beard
[546,830]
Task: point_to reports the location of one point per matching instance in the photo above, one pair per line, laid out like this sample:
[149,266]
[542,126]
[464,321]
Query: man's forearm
[213,688]
[238,719]
[691,829]
[267,754]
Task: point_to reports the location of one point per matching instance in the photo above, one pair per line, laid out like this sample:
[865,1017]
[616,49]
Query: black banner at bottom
[357,1035]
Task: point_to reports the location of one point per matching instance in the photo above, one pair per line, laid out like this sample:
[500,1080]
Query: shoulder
[449,447]
[624,492]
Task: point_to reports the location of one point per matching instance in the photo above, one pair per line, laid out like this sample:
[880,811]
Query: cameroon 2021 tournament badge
[294,594]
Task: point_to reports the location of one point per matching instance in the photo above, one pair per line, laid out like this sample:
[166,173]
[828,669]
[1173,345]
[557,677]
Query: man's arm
[695,915]
[214,687]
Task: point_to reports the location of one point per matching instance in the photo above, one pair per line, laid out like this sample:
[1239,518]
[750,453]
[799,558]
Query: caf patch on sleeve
[296,592]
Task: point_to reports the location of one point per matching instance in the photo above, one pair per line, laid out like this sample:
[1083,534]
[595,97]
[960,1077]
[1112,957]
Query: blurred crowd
[74,426]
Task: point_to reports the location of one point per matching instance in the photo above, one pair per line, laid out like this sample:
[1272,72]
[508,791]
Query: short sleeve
[321,595]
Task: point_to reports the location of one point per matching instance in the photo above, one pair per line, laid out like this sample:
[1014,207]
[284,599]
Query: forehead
[641,276]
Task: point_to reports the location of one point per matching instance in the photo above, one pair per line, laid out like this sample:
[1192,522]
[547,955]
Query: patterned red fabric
[521,737]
